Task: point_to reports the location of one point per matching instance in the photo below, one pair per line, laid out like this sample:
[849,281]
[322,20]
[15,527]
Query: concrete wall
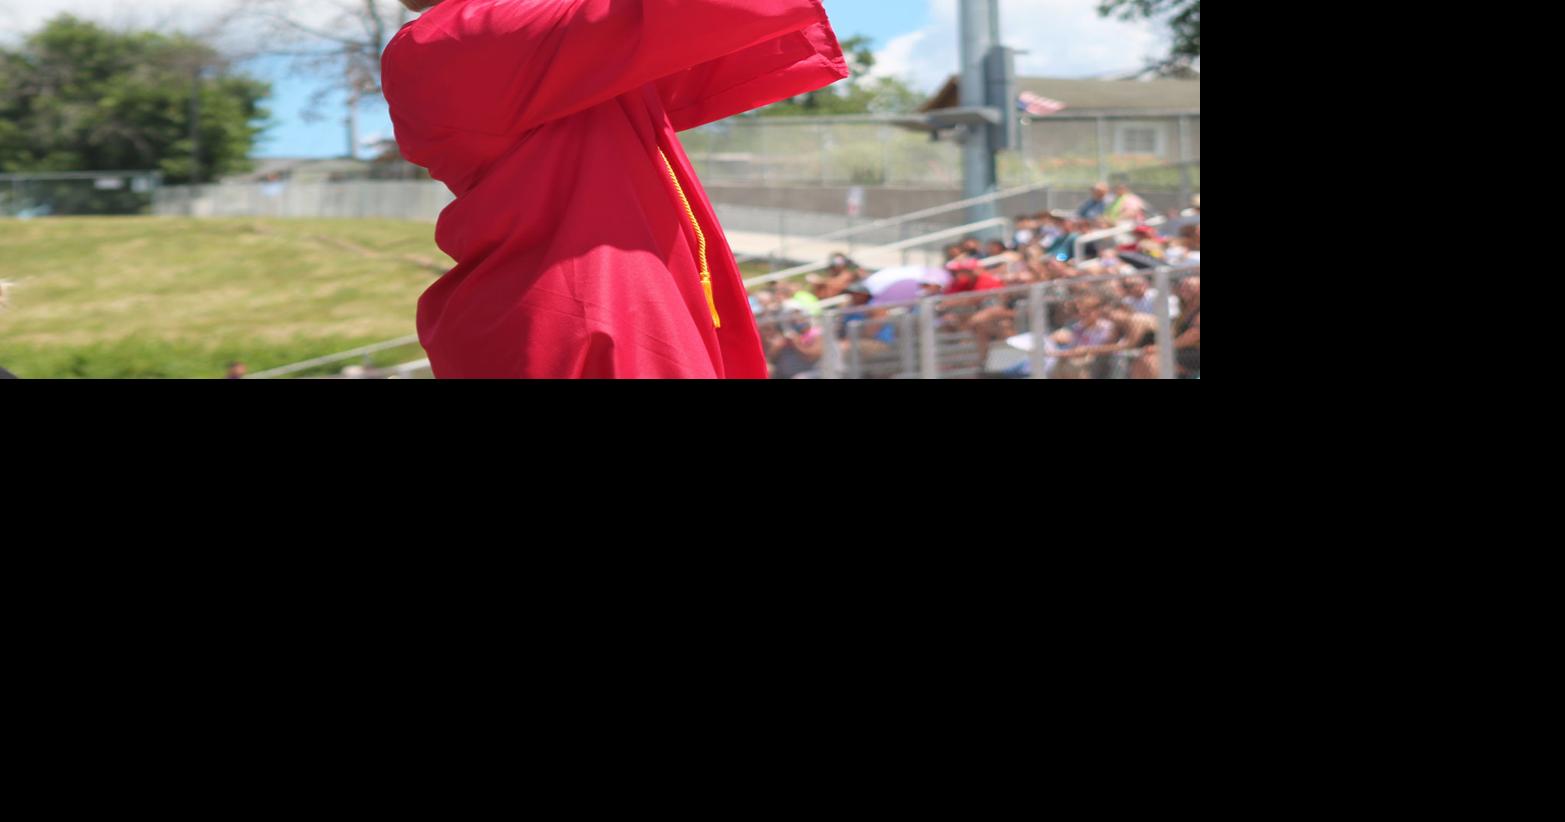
[798,211]
[392,200]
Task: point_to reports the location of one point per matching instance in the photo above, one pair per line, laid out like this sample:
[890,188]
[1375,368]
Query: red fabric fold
[575,258]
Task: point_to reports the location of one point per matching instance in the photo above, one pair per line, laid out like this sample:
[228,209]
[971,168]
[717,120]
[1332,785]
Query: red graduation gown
[576,255]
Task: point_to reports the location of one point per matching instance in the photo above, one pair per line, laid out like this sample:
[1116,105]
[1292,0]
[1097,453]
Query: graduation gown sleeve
[528,62]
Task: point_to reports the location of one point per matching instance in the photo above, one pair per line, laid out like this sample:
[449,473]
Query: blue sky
[915,40]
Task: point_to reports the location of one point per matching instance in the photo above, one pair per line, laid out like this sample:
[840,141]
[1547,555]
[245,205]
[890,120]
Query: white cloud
[1063,38]
[234,18]
[21,16]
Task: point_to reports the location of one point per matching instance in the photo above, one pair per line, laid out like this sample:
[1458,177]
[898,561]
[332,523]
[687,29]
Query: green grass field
[170,297]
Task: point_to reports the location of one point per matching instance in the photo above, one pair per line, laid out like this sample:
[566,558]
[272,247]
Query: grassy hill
[169,297]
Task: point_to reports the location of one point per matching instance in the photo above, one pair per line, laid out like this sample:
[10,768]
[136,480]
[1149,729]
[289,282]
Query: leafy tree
[1182,16]
[77,97]
[338,43]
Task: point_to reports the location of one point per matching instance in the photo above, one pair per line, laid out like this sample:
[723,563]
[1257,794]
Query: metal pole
[1038,318]
[831,355]
[353,119]
[820,137]
[926,334]
[980,33]
[1184,162]
[1103,161]
[1165,326]
[885,160]
[855,356]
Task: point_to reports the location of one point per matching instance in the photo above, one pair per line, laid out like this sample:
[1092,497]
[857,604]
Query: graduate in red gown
[585,246]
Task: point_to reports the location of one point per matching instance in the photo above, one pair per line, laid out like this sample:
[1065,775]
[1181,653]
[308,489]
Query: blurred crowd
[1106,318]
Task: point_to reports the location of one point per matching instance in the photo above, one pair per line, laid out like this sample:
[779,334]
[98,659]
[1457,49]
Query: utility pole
[986,117]
[980,32]
[352,122]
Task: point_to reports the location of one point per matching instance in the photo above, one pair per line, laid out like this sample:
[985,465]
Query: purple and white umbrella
[895,285]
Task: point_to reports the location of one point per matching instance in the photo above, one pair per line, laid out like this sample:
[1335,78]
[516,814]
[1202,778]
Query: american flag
[1037,105]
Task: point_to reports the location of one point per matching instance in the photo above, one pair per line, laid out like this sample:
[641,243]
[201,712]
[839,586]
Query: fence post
[1165,326]
[855,356]
[930,365]
[884,136]
[1038,318]
[820,134]
[905,337]
[831,354]
[1103,163]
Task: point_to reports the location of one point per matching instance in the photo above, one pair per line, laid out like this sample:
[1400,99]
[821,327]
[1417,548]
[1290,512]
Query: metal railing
[364,353]
[904,219]
[926,239]
[924,349]
[1121,230]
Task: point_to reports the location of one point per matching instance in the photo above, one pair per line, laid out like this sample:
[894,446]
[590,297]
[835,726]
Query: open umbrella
[894,285]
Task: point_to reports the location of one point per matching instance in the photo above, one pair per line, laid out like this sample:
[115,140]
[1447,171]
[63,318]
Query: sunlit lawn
[169,297]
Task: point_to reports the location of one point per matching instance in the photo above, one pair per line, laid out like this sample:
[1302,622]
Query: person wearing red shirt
[969,275]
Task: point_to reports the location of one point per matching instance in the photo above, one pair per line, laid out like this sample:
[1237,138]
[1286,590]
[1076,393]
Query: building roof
[1086,96]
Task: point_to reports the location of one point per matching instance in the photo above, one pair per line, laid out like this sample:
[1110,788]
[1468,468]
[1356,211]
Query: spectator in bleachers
[969,275]
[1097,205]
[1107,326]
[1141,298]
[1050,229]
[796,348]
[1131,332]
[1187,332]
[1092,330]
[842,273]
[1147,243]
[1187,336]
[1026,230]
[1064,247]
[1127,207]
[1186,250]
[877,334]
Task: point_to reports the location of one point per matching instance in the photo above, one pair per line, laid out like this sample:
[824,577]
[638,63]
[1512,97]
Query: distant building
[1157,118]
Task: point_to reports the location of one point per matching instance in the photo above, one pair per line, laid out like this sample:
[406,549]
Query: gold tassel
[706,285]
[706,271]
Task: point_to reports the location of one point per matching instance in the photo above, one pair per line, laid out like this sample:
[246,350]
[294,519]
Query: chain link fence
[1063,149]
[77,193]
